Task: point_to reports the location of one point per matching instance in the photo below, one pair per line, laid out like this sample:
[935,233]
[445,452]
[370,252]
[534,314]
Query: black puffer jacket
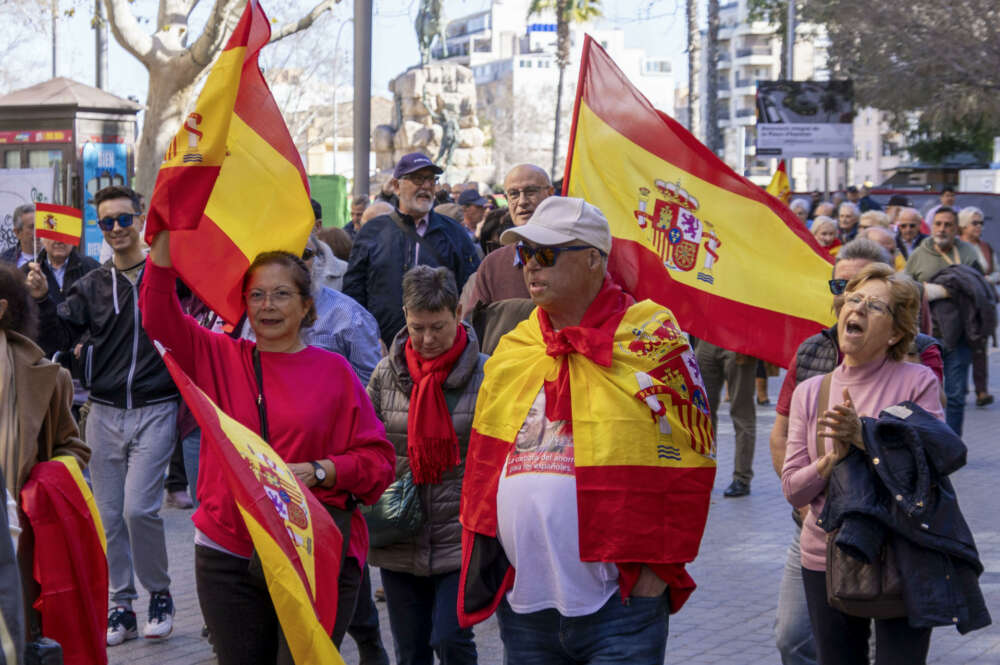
[898,489]
[382,254]
[118,362]
[437,548]
[77,265]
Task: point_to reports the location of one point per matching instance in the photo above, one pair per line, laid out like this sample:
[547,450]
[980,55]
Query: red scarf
[594,337]
[431,442]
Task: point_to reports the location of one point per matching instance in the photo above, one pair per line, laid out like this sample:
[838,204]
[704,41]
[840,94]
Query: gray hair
[430,289]
[966,214]
[865,250]
[852,206]
[19,212]
[822,220]
[802,204]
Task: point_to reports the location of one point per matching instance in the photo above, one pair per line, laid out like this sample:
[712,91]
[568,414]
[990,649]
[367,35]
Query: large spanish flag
[231,185]
[58,223]
[69,559]
[296,539]
[732,263]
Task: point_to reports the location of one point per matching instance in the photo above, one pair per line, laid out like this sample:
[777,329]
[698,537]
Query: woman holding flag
[310,407]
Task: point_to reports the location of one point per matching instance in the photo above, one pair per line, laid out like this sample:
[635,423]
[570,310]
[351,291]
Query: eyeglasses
[529,192]
[124,220]
[976,222]
[907,226]
[545,256]
[307,254]
[837,286]
[421,180]
[856,300]
[279,297]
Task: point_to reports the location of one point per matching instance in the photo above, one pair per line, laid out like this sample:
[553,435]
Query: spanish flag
[779,186]
[296,539]
[231,185]
[735,266]
[58,223]
[69,559]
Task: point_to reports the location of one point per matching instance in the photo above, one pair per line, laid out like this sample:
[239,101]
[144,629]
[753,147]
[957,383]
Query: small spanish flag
[58,223]
[779,186]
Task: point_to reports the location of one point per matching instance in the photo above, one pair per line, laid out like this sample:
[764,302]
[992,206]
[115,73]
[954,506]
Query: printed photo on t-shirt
[542,445]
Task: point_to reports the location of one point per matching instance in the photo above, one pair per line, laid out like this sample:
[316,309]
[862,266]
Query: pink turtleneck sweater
[873,387]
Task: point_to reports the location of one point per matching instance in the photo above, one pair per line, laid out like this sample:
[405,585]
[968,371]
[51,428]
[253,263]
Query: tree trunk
[168,100]
[694,53]
[555,134]
[714,138]
[562,60]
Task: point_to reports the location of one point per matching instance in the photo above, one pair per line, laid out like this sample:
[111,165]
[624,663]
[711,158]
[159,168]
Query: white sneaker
[161,616]
[121,625]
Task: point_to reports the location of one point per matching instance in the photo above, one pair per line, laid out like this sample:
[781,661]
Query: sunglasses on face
[837,286]
[307,254]
[545,256]
[124,220]
[907,226]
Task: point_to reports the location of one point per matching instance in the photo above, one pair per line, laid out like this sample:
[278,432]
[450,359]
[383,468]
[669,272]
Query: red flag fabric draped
[735,266]
[231,184]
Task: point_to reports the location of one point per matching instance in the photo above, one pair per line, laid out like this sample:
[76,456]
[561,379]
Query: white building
[513,60]
[750,51]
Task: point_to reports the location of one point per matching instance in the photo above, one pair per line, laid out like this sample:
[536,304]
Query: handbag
[398,514]
[869,590]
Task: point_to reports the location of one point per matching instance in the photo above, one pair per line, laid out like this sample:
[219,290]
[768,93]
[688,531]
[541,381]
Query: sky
[654,25]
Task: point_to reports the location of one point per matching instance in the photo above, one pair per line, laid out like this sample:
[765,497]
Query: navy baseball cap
[899,200]
[414,162]
[471,197]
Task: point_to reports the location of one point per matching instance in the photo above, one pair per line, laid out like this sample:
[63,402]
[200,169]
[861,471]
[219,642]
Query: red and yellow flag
[69,560]
[779,186]
[58,223]
[735,266]
[296,539]
[231,185]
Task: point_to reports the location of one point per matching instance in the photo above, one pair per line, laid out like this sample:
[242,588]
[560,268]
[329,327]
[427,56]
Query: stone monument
[435,113]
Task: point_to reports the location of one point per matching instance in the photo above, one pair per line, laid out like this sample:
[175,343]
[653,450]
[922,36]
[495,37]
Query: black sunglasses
[124,220]
[307,254]
[545,256]
[837,286]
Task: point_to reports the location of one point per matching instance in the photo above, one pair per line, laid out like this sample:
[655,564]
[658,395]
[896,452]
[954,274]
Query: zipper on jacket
[135,345]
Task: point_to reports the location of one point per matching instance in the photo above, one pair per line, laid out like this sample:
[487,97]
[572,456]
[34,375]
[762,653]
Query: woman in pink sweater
[319,419]
[875,328]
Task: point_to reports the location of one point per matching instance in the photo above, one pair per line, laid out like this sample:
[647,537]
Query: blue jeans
[956,377]
[423,618]
[635,634]
[792,631]
[191,445]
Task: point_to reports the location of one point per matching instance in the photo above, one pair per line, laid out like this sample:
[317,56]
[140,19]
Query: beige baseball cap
[561,219]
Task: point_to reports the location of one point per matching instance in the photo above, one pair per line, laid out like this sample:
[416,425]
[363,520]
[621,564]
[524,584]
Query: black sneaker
[121,625]
[161,616]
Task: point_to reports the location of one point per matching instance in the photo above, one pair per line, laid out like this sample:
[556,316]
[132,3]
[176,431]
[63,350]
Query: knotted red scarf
[594,337]
[431,442]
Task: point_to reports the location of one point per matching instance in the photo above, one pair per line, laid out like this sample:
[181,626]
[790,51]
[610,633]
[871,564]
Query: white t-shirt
[537,523]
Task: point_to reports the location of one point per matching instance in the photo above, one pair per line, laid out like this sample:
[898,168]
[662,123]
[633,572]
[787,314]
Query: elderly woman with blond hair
[875,328]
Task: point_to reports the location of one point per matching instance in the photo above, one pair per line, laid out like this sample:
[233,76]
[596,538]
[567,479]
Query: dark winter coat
[77,265]
[382,254]
[437,548]
[970,311]
[898,489]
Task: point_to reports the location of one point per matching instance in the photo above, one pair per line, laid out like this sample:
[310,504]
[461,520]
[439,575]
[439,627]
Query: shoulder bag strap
[411,233]
[261,405]
[822,404]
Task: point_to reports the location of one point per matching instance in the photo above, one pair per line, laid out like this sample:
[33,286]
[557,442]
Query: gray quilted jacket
[437,548]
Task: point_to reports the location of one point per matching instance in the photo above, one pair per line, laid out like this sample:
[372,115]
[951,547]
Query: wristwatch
[319,472]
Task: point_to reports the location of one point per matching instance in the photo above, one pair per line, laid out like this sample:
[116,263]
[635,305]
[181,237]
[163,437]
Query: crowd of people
[448,340]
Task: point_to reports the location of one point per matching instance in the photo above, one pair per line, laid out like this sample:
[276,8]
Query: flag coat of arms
[296,539]
[231,184]
[58,223]
[734,265]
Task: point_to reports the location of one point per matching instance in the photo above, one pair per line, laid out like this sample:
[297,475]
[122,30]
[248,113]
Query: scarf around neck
[431,442]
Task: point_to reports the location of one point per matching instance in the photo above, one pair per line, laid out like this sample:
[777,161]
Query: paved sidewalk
[729,619]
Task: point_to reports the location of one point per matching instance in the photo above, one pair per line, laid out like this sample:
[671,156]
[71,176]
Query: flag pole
[584,59]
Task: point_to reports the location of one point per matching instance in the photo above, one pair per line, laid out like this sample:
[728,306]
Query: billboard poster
[104,164]
[805,119]
[17,187]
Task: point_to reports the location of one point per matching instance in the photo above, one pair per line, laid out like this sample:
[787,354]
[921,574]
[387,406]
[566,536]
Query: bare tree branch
[220,24]
[127,30]
[295,26]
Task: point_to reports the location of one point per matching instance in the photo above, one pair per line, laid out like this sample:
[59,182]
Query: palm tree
[694,48]
[567,11]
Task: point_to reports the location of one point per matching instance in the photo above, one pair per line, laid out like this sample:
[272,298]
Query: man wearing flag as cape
[591,460]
